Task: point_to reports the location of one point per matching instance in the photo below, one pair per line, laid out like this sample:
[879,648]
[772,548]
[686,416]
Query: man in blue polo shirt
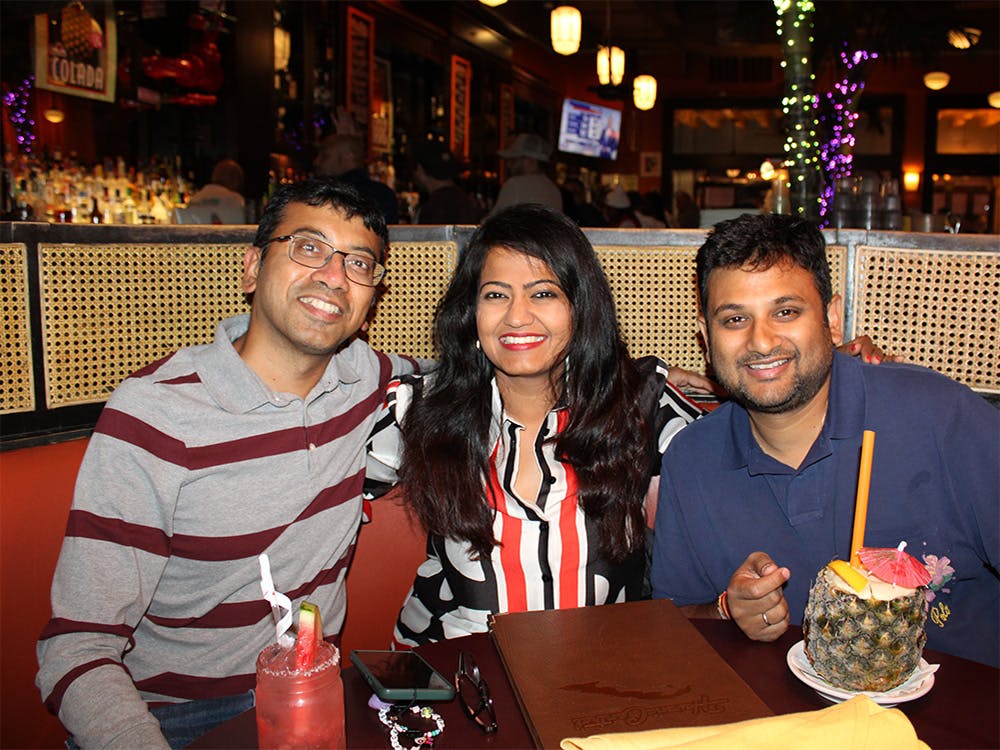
[759,495]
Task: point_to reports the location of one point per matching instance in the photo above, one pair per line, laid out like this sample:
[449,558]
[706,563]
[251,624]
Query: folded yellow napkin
[857,724]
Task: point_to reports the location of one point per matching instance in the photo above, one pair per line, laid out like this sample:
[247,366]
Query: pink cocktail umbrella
[895,566]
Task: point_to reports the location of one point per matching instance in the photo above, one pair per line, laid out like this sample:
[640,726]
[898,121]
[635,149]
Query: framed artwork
[360,58]
[76,53]
[380,132]
[650,163]
[461,78]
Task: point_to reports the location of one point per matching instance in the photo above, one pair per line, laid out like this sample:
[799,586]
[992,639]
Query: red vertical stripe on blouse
[569,566]
[510,546]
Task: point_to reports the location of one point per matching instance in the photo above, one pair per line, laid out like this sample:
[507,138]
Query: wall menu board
[360,58]
[461,76]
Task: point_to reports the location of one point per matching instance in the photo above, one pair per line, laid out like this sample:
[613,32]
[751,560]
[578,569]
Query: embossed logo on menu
[635,716]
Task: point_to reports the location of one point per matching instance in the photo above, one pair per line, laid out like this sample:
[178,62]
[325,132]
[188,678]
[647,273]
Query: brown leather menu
[617,668]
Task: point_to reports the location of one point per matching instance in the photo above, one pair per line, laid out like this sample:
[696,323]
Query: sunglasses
[474,694]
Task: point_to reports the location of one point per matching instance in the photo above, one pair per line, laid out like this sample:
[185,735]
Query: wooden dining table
[962,710]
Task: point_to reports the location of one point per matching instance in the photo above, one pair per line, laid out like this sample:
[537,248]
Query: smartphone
[401,676]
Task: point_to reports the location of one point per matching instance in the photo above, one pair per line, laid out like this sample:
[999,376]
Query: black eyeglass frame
[378,271]
[469,670]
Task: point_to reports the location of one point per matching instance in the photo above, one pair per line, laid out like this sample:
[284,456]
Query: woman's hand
[693,381]
[865,348]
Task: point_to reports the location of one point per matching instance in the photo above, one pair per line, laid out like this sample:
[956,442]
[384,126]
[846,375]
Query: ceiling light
[565,23]
[964,38]
[610,65]
[936,80]
[55,116]
[994,99]
[644,92]
[493,3]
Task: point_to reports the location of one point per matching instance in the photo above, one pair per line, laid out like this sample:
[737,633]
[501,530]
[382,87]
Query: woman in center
[528,452]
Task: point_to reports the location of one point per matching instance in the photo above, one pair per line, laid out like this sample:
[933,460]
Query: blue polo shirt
[934,484]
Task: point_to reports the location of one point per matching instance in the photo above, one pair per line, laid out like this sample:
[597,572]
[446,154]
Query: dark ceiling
[648,27]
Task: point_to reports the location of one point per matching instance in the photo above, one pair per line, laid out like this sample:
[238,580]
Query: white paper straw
[278,602]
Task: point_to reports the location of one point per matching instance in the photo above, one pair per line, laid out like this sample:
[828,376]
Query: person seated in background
[618,209]
[526,181]
[342,155]
[688,213]
[757,497]
[221,200]
[648,208]
[527,454]
[577,207]
[202,461]
[444,201]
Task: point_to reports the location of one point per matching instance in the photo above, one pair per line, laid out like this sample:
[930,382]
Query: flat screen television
[589,129]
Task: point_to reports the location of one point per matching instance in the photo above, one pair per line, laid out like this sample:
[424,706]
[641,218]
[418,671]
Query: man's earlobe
[835,316]
[251,268]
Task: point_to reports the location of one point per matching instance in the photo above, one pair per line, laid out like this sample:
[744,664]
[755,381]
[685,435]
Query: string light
[17,102]
[837,110]
[794,25]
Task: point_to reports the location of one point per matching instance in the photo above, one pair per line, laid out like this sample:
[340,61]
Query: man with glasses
[202,461]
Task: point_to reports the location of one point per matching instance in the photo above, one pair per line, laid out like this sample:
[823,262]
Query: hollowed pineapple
[869,640]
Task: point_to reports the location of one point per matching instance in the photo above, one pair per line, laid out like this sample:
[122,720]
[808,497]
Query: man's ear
[703,329]
[251,268]
[835,314]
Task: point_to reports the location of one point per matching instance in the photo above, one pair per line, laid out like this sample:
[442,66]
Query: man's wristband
[723,605]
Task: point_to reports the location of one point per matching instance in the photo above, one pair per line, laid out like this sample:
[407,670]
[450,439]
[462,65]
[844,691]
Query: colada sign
[75,53]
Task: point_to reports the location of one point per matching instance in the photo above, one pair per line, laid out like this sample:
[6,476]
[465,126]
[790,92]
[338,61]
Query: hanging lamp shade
[936,80]
[566,26]
[493,3]
[610,65]
[994,99]
[644,92]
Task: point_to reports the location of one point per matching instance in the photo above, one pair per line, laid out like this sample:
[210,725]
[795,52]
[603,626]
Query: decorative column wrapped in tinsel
[799,107]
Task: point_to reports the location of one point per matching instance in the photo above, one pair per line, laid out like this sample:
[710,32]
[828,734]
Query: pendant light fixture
[565,28]
[936,80]
[610,59]
[644,92]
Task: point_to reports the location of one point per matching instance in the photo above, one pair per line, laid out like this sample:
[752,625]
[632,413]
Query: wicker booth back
[81,315]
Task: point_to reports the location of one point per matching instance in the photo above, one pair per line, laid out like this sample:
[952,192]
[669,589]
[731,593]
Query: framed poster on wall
[380,131]
[360,59]
[461,78]
[76,53]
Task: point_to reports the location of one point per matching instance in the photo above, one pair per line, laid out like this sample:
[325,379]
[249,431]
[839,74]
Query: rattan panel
[418,275]
[109,310]
[938,309]
[17,389]
[657,297]
[657,301]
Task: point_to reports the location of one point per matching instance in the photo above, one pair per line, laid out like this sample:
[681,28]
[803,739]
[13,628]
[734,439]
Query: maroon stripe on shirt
[54,701]
[222,548]
[151,367]
[61,625]
[181,379]
[118,424]
[189,687]
[87,525]
[242,614]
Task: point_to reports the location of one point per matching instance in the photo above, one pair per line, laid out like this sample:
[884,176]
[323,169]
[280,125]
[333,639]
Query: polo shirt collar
[236,387]
[845,415]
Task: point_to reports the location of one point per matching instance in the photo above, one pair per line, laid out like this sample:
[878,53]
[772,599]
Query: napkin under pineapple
[858,724]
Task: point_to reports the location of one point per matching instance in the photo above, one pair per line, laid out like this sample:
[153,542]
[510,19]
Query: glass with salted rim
[299,708]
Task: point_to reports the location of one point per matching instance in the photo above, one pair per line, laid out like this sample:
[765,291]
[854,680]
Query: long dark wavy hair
[446,432]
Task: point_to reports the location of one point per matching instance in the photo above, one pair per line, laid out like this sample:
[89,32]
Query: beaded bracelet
[723,606]
[396,728]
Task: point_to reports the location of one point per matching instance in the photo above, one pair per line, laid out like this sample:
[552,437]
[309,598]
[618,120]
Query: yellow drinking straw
[861,503]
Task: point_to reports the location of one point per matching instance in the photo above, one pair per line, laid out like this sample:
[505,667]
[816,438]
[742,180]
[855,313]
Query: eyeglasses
[474,694]
[313,253]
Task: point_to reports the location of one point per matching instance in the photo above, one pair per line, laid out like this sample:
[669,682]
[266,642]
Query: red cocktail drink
[299,708]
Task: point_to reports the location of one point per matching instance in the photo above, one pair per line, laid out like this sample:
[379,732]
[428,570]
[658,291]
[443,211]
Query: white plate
[918,684]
